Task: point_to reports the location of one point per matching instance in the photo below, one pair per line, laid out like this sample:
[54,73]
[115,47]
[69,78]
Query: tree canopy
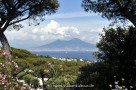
[113,9]
[117,49]
[116,61]
[14,11]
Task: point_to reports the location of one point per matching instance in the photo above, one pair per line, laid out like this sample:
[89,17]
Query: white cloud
[52,30]
[42,37]
[49,31]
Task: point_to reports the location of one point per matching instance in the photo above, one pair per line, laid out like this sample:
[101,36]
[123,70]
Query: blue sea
[86,55]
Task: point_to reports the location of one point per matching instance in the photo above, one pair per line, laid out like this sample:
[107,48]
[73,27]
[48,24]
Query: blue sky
[67,6]
[69,22]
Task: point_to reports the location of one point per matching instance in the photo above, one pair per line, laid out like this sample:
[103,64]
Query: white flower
[47,71]
[122,79]
[116,82]
[131,86]
[110,85]
[123,87]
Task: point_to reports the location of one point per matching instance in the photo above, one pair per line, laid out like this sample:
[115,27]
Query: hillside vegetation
[31,68]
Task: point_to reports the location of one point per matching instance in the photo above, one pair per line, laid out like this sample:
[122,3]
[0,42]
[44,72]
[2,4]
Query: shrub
[27,78]
[21,74]
[34,82]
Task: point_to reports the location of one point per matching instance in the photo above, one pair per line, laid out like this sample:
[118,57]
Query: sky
[70,21]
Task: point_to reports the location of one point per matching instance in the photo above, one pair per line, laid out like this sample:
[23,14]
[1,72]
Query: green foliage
[31,80]
[32,67]
[40,64]
[116,55]
[1,88]
[112,9]
[1,58]
[62,80]
[95,74]
[28,78]
[20,53]
[118,49]
[34,82]
[21,74]
[17,11]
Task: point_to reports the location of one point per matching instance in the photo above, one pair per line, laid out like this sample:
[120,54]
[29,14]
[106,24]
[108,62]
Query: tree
[94,74]
[117,60]
[14,11]
[41,69]
[117,49]
[113,9]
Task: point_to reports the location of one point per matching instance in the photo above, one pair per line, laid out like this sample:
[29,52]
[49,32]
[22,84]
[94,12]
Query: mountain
[70,45]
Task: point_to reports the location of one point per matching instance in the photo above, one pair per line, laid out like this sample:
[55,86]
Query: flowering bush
[119,85]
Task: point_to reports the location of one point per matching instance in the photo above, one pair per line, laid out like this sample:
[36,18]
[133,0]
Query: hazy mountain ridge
[70,45]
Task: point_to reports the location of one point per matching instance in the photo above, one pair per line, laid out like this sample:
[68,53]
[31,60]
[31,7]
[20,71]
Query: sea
[85,55]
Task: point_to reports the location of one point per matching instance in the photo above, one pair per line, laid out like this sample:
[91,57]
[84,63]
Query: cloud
[50,31]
